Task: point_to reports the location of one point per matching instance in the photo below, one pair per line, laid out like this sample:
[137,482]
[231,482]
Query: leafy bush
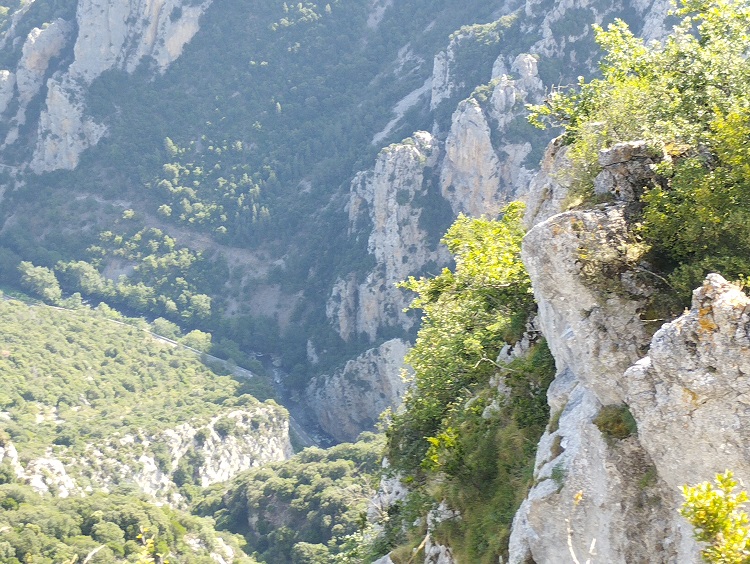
[468,315]
[689,98]
[719,519]
[457,438]
[303,508]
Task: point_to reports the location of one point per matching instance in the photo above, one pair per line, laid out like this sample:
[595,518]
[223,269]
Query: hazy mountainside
[94,406]
[308,509]
[224,167]
[90,402]
[215,144]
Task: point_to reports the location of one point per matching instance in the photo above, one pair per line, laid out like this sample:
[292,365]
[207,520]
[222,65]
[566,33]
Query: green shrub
[616,422]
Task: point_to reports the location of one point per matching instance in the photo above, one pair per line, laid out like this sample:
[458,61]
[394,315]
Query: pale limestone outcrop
[549,189]
[442,86]
[351,400]
[48,475]
[596,333]
[64,129]
[118,35]
[483,167]
[510,93]
[391,491]
[256,435]
[249,437]
[620,516]
[7,85]
[606,499]
[691,394]
[9,456]
[470,175]
[386,198]
[121,34]
[40,47]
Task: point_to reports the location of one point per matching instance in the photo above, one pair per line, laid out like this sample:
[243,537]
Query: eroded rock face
[387,200]
[470,174]
[106,35]
[229,443]
[351,400]
[691,394]
[596,333]
[121,34]
[597,497]
[549,188]
[40,47]
[483,167]
[594,495]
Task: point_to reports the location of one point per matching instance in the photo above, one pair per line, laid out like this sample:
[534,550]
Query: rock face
[62,59]
[388,200]
[616,499]
[204,454]
[483,167]
[121,34]
[110,36]
[351,400]
[691,394]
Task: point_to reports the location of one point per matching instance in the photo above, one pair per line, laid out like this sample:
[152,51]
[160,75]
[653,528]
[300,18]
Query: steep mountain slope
[247,163]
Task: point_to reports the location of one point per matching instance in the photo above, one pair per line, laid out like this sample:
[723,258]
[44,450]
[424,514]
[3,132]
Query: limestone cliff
[60,60]
[157,463]
[351,400]
[387,200]
[607,499]
[483,166]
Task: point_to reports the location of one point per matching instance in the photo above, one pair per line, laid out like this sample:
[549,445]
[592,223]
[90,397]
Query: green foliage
[468,315]
[717,515]
[72,378]
[115,528]
[302,510]
[458,438]
[689,98]
[41,282]
[211,185]
[616,422]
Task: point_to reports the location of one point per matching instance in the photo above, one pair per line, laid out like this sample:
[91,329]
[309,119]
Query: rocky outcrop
[157,464]
[64,131]
[119,35]
[600,497]
[595,333]
[110,36]
[351,400]
[387,200]
[483,168]
[105,36]
[40,47]
[691,394]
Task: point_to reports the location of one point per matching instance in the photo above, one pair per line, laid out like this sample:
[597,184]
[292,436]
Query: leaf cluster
[719,520]
[302,510]
[102,529]
[458,437]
